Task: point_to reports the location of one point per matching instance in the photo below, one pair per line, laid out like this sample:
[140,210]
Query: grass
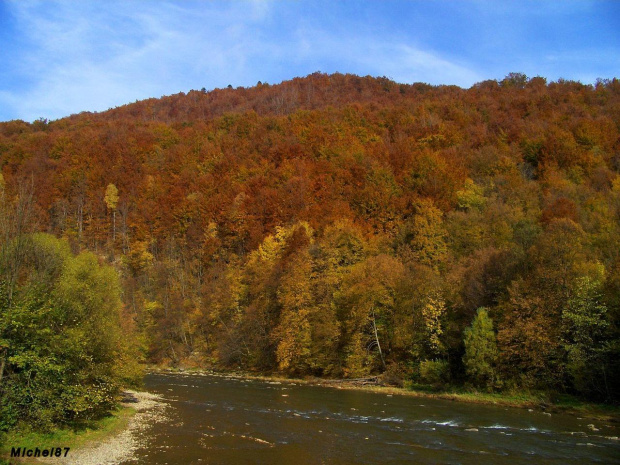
[599,411]
[73,438]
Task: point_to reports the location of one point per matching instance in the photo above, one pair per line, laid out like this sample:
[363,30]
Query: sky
[60,57]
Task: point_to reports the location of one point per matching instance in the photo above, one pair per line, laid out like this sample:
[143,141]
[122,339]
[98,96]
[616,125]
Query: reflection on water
[222,420]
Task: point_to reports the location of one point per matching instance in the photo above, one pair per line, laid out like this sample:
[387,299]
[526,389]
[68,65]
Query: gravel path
[121,447]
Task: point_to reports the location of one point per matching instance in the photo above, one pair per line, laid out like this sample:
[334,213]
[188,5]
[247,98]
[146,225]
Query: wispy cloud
[393,55]
[404,63]
[86,57]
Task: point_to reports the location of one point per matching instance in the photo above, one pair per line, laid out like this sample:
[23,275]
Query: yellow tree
[432,313]
[423,238]
[111,202]
[339,249]
[370,300]
[297,304]
[268,290]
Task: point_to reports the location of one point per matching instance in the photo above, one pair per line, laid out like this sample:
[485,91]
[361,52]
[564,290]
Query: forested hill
[313,92]
[337,225]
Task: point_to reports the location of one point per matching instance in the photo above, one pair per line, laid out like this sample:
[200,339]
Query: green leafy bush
[61,338]
[435,372]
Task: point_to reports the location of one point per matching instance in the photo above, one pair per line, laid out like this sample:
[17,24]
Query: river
[228,420]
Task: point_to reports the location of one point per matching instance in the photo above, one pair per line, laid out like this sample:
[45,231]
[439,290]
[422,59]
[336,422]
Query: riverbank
[112,440]
[531,401]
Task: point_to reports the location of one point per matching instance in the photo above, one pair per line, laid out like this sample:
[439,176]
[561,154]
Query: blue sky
[59,57]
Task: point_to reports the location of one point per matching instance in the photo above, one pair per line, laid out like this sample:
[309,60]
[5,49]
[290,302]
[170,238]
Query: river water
[227,420]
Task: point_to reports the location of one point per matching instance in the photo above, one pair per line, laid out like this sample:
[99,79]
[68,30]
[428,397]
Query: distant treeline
[344,226]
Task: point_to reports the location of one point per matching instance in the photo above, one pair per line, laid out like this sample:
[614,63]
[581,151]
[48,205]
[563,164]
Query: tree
[111,201]
[518,80]
[17,220]
[471,196]
[432,312]
[221,319]
[294,332]
[424,237]
[369,302]
[481,351]
[585,325]
[337,251]
[528,338]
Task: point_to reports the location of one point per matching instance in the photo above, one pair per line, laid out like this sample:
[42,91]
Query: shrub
[435,372]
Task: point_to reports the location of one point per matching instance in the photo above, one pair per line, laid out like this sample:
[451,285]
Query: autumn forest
[332,226]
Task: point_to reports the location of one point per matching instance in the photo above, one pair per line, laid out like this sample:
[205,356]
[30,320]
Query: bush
[435,372]
[394,375]
[61,338]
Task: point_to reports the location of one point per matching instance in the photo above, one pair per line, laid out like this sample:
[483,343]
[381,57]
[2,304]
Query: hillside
[337,225]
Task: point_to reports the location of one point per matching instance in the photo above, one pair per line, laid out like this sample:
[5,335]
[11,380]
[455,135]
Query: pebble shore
[121,447]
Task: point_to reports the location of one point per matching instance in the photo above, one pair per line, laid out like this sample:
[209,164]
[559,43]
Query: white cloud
[92,56]
[381,56]
[404,63]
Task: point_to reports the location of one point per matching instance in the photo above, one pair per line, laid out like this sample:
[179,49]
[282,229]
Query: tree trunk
[2,364]
[374,325]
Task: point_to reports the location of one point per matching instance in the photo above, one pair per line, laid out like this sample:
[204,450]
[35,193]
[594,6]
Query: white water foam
[451,423]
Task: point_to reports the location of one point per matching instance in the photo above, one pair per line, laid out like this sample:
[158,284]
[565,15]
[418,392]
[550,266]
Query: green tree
[585,325]
[481,351]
